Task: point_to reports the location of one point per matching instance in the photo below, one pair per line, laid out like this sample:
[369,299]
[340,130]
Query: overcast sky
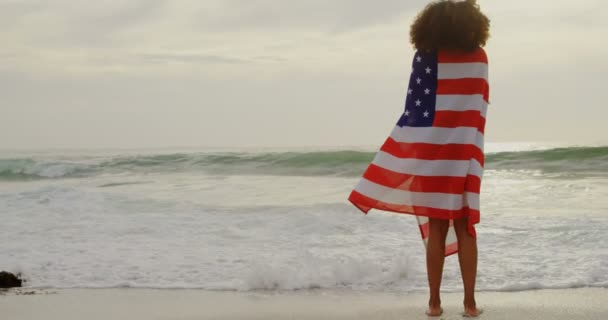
[233,73]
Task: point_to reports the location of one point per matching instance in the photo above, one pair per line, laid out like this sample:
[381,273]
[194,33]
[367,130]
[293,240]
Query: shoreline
[67,304]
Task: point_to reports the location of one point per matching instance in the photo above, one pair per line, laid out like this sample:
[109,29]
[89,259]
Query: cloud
[208,69]
[329,16]
[75,23]
[11,12]
[192,58]
[548,14]
[92,23]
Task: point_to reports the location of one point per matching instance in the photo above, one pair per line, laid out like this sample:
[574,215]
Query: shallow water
[281,221]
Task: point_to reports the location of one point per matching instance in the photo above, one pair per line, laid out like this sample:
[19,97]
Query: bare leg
[435,257]
[467,256]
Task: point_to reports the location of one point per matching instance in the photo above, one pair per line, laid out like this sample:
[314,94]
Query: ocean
[242,220]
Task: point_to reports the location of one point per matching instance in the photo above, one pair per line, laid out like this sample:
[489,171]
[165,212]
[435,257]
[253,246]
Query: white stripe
[471,200]
[437,200]
[431,168]
[463,70]
[437,135]
[475,169]
[455,102]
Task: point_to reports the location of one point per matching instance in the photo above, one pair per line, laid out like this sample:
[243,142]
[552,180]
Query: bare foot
[434,312]
[472,312]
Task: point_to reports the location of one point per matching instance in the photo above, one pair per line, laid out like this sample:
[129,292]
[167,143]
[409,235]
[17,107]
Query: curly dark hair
[450,25]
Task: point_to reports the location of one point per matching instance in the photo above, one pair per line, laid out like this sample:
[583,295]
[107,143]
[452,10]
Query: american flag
[432,164]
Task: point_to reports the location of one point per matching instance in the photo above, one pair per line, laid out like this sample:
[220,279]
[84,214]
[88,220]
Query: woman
[431,165]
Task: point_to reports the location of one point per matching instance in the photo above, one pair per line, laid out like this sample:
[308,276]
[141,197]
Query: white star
[427,91]
[419,80]
[428,70]
[418,103]
[426,114]
[419,58]
[407,113]
[413,70]
[409,91]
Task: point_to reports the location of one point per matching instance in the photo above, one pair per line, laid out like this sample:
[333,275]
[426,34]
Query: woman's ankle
[470,303]
[434,302]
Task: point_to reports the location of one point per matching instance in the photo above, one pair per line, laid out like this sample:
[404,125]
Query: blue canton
[421,93]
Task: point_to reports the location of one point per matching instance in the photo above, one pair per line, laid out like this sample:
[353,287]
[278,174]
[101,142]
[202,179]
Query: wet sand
[135,304]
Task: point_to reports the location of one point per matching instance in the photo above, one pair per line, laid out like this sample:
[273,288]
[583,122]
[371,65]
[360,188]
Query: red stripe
[365,209]
[451,249]
[456,119]
[478,55]
[360,200]
[473,184]
[425,230]
[474,218]
[464,86]
[427,151]
[413,183]
[365,204]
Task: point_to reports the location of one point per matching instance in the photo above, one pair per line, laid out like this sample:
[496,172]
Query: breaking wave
[575,160]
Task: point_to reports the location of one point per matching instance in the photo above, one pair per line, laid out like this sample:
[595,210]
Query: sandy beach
[197,304]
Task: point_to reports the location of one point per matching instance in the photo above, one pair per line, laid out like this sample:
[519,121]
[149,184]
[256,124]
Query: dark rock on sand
[9,280]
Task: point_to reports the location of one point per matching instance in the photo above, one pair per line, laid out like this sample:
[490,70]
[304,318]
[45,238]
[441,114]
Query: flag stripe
[435,184]
[447,168]
[471,200]
[451,239]
[467,86]
[359,200]
[425,228]
[460,102]
[435,135]
[456,119]
[451,247]
[444,201]
[427,151]
[463,70]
